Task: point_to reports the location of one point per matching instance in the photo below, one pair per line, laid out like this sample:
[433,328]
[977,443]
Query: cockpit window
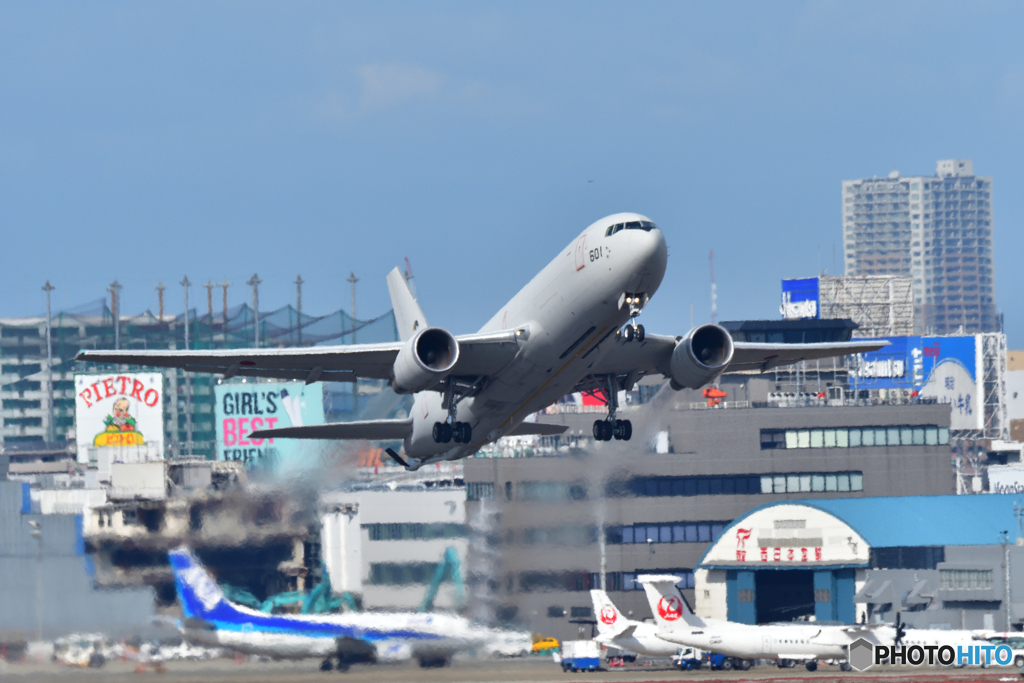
[646,226]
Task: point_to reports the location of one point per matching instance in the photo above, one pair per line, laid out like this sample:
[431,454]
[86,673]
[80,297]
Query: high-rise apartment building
[937,230]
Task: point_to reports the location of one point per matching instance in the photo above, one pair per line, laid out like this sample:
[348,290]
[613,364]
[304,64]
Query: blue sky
[145,141]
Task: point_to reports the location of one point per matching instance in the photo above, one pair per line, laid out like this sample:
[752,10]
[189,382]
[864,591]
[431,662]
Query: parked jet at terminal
[616,630]
[211,620]
[571,328]
[784,643]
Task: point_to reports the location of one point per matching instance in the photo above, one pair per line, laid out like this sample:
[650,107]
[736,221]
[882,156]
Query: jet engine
[424,360]
[700,357]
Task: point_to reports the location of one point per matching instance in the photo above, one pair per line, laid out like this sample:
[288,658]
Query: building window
[670,532]
[580,612]
[549,491]
[797,482]
[822,595]
[745,595]
[854,437]
[556,612]
[965,579]
[480,491]
[414,532]
[401,573]
[907,557]
[626,581]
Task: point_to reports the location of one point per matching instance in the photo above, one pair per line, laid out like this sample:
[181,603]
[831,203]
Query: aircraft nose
[649,249]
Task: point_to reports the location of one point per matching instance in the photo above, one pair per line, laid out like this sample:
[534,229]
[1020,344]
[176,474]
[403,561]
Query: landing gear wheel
[727,664]
[745,664]
[845,666]
[462,432]
[627,333]
[811,666]
[640,333]
[442,432]
[327,665]
[617,429]
[627,430]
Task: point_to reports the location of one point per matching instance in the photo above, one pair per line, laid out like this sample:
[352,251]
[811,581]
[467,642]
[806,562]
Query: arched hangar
[943,561]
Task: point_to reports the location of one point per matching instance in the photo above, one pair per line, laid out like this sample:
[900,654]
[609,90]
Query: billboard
[946,368]
[800,299]
[120,412]
[244,408]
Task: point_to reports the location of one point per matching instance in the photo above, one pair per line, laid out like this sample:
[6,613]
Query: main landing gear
[631,332]
[459,432]
[606,430]
[451,429]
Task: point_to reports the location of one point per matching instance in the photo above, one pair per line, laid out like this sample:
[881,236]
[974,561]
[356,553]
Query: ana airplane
[339,640]
[571,328]
[616,630]
[784,643]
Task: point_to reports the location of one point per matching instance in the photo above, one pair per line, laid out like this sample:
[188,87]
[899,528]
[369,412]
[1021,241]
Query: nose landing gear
[636,305]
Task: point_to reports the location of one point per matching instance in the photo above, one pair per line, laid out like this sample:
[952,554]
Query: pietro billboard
[947,368]
[244,408]
[122,411]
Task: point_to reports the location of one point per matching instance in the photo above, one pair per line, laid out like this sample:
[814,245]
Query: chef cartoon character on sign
[121,428]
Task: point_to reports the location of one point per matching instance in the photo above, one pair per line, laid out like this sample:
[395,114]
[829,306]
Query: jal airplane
[616,630]
[339,640]
[784,643]
[571,328]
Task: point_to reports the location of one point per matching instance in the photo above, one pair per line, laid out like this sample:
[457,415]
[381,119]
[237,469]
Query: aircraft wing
[537,429]
[652,356]
[480,355]
[372,430]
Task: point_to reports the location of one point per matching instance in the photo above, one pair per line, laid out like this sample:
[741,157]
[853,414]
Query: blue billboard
[800,300]
[245,408]
[946,368]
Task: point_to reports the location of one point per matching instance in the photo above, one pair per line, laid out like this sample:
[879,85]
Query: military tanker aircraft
[571,328]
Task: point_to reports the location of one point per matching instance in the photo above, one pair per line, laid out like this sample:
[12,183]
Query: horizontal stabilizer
[537,429]
[371,430]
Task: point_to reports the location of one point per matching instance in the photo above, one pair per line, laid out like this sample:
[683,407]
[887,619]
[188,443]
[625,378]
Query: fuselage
[644,641]
[280,636]
[566,311]
[762,641]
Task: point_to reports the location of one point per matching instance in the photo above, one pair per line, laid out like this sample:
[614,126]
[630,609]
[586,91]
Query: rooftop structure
[936,230]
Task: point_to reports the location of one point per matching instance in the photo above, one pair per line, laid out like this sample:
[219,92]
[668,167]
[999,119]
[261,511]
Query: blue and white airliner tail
[212,620]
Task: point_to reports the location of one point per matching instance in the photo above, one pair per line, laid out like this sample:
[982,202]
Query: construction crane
[448,568]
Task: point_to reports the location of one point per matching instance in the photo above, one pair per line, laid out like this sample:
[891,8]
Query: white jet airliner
[784,643]
[211,620]
[565,331]
[617,630]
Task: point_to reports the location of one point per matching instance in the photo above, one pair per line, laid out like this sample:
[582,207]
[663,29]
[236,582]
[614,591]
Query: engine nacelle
[700,357]
[424,360]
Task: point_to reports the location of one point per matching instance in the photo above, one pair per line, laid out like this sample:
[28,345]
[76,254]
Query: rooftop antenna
[714,288]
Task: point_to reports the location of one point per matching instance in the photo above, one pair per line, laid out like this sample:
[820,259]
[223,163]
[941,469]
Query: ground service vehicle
[581,655]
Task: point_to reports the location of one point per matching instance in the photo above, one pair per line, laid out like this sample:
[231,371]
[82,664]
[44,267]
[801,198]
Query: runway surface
[532,670]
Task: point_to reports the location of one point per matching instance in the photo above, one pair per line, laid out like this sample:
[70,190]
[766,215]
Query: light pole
[188,378]
[254,282]
[50,433]
[224,323]
[37,533]
[298,304]
[352,280]
[115,306]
